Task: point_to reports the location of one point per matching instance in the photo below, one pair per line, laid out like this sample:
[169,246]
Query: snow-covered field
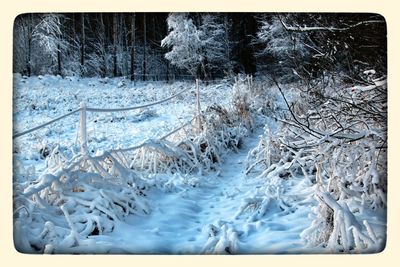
[216,214]
[226,209]
[39,99]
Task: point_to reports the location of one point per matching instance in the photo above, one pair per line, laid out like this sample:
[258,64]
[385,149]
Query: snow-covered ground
[39,99]
[209,214]
[223,211]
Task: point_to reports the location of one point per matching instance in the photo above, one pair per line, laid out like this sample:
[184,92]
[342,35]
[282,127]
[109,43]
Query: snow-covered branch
[298,28]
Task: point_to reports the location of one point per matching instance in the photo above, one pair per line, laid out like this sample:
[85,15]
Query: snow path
[205,219]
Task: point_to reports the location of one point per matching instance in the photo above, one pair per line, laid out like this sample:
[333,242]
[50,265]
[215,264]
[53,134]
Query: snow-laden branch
[298,28]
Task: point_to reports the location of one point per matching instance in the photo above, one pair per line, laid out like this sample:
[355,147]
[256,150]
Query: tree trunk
[133,39]
[144,46]
[83,43]
[154,41]
[227,44]
[115,72]
[103,47]
[125,35]
[167,72]
[29,57]
[153,23]
[59,72]
[73,27]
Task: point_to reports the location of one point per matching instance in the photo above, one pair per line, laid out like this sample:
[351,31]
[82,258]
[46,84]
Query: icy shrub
[337,229]
[197,150]
[336,139]
[222,238]
[267,152]
[193,152]
[90,194]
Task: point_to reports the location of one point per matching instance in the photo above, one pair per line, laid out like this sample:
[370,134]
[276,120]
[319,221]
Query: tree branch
[321,28]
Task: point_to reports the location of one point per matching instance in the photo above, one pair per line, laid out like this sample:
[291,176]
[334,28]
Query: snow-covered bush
[336,139]
[242,95]
[337,228]
[222,238]
[60,210]
[189,150]
[221,132]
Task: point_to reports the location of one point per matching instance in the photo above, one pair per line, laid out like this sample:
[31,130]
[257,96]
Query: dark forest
[131,44]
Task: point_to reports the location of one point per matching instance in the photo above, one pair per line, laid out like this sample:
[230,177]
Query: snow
[240,204]
[40,99]
[200,215]
[369,72]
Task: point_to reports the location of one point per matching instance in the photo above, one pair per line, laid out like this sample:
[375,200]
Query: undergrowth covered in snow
[316,179]
[82,195]
[200,150]
[336,140]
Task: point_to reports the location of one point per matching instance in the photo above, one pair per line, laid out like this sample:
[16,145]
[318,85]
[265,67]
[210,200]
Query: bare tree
[133,46]
[103,49]
[115,40]
[83,40]
[144,46]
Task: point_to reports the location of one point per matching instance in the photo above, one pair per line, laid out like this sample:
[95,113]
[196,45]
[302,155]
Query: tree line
[159,46]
